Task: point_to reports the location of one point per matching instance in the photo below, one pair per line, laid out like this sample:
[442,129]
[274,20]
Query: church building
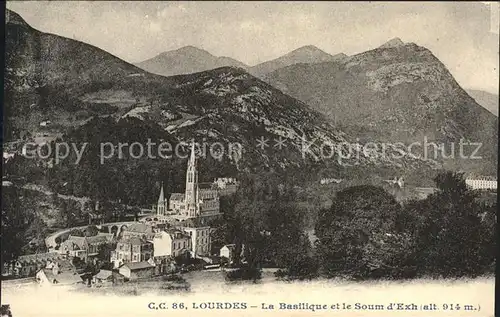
[198,200]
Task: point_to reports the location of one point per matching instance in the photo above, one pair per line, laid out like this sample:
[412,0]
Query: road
[81,200]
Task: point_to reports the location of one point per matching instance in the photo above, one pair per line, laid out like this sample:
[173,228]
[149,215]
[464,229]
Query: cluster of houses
[142,249]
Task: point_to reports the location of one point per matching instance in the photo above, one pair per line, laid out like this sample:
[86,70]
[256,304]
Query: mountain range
[399,87]
[186,60]
[190,59]
[78,86]
[398,92]
[307,54]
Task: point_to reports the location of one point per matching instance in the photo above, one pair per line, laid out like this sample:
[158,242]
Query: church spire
[160,207]
[191,195]
[162,195]
[192,159]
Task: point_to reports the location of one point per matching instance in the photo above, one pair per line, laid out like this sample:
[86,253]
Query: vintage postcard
[249,158]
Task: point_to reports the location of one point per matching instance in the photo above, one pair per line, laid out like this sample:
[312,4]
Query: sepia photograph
[285,158]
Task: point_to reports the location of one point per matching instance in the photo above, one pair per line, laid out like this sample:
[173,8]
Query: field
[210,287]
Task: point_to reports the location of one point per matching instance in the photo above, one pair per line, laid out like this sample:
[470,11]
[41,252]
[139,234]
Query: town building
[29,265]
[481,182]
[326,181]
[200,240]
[171,242]
[131,250]
[399,182]
[85,248]
[163,265]
[45,123]
[228,251]
[106,278]
[198,200]
[137,270]
[61,273]
[139,230]
[225,185]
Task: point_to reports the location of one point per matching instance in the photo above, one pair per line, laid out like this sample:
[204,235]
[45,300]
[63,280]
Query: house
[163,265]
[59,274]
[106,278]
[171,242]
[45,123]
[481,182]
[200,240]
[139,230]
[29,265]
[137,270]
[131,250]
[228,251]
[85,247]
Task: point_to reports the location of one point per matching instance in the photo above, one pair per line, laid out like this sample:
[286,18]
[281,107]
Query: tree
[449,229]
[91,231]
[76,233]
[262,220]
[13,225]
[347,231]
[104,251]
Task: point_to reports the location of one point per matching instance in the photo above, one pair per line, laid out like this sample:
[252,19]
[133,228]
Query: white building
[200,240]
[481,182]
[171,243]
[227,251]
[326,181]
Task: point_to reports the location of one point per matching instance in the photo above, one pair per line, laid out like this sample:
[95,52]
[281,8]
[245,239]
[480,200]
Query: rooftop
[481,178]
[63,278]
[139,227]
[138,265]
[39,257]
[177,196]
[104,274]
[134,241]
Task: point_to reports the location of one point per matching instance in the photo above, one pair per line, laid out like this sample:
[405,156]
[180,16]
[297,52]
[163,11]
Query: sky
[463,35]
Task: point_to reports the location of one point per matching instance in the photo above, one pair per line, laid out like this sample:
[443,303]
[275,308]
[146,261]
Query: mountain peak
[305,54]
[339,56]
[189,50]
[308,50]
[395,42]
[186,60]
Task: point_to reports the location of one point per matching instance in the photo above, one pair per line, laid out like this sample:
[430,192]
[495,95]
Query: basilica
[198,200]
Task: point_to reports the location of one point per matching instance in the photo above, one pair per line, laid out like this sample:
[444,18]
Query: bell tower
[191,195]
